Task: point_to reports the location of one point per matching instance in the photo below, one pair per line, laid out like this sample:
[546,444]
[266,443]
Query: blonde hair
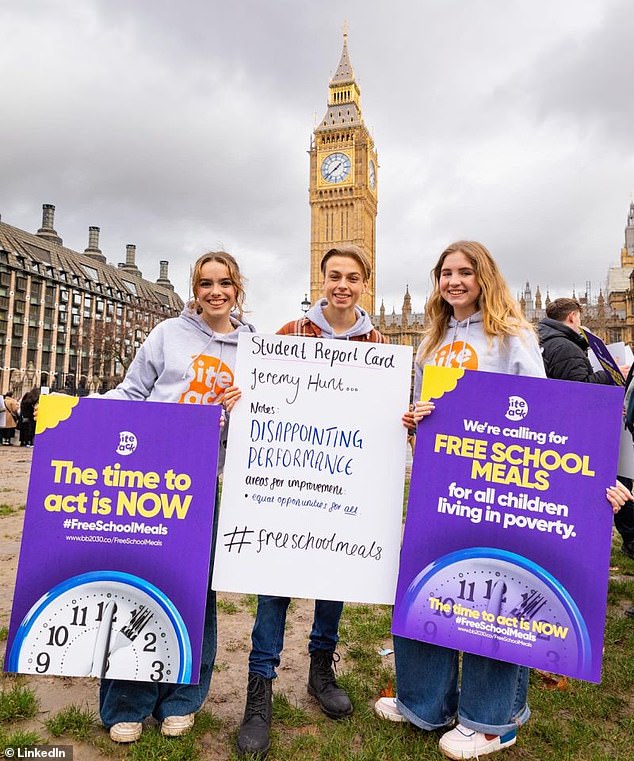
[351,252]
[237,280]
[501,314]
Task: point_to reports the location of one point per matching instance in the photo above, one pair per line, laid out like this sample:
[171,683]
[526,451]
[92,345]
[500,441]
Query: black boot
[254,735]
[333,700]
[628,549]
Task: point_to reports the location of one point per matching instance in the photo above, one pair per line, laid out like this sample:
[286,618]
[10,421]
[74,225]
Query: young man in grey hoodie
[346,271]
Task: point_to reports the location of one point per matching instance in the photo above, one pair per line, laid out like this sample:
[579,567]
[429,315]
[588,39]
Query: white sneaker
[386,708]
[126,731]
[175,726]
[461,743]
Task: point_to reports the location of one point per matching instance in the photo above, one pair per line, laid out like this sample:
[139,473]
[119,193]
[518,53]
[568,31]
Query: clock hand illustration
[127,634]
[494,607]
[72,631]
[468,599]
[102,642]
[106,645]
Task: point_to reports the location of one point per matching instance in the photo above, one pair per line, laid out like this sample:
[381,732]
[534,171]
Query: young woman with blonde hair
[474,323]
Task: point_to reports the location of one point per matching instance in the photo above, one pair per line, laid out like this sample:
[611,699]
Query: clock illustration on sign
[105,624]
[502,604]
[335,167]
[372,174]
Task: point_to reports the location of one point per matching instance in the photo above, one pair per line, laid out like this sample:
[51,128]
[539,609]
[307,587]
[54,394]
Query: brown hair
[559,309]
[222,257]
[352,252]
[501,314]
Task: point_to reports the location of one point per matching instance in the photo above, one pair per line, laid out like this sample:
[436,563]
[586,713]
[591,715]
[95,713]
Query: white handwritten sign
[313,486]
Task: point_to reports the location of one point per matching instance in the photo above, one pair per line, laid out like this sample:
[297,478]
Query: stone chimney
[130,264]
[93,250]
[163,278]
[47,230]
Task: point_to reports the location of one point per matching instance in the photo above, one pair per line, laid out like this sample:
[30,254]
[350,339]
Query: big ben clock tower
[343,179]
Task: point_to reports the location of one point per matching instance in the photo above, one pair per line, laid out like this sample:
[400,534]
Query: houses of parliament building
[69,320]
[72,322]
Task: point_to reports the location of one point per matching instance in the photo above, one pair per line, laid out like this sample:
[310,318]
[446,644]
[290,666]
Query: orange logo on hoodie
[457,354]
[211,379]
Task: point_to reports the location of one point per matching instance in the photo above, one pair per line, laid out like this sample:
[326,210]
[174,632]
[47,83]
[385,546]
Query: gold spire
[344,96]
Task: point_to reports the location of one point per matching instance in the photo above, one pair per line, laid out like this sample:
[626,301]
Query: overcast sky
[184,126]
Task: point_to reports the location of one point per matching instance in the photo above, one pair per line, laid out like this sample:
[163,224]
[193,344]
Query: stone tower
[343,179]
[627,256]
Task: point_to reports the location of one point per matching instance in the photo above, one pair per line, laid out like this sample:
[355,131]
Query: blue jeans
[267,637]
[491,698]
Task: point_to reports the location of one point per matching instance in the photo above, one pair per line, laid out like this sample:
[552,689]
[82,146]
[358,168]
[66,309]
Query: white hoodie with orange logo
[183,360]
[466,345]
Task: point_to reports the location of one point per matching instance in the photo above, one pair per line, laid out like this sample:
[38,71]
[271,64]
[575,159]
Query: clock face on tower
[335,167]
[105,624]
[372,174]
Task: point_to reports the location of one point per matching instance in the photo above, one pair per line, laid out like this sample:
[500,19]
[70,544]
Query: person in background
[564,348]
[10,419]
[624,519]
[165,369]
[346,271]
[27,415]
[565,353]
[3,414]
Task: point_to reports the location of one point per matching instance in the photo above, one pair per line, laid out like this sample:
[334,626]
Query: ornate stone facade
[621,287]
[69,320]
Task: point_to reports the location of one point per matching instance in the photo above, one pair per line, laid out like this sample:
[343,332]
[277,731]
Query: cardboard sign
[507,539]
[313,486]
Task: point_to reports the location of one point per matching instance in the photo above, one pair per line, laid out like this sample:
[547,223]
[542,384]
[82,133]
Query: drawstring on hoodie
[453,340]
[362,327]
[213,337]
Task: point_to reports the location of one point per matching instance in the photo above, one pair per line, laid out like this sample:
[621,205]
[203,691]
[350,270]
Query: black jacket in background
[565,353]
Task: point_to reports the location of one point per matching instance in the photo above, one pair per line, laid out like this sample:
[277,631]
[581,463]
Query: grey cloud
[181,127]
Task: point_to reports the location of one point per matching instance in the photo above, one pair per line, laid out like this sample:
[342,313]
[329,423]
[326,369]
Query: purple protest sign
[507,539]
[606,360]
[114,564]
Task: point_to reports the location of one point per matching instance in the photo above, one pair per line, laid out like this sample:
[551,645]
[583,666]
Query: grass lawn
[570,719]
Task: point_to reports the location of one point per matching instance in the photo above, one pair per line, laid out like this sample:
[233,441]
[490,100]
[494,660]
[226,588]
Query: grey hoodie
[362,326]
[183,360]
[465,344]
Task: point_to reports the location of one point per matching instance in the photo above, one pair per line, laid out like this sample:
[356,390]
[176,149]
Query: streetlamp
[305,304]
